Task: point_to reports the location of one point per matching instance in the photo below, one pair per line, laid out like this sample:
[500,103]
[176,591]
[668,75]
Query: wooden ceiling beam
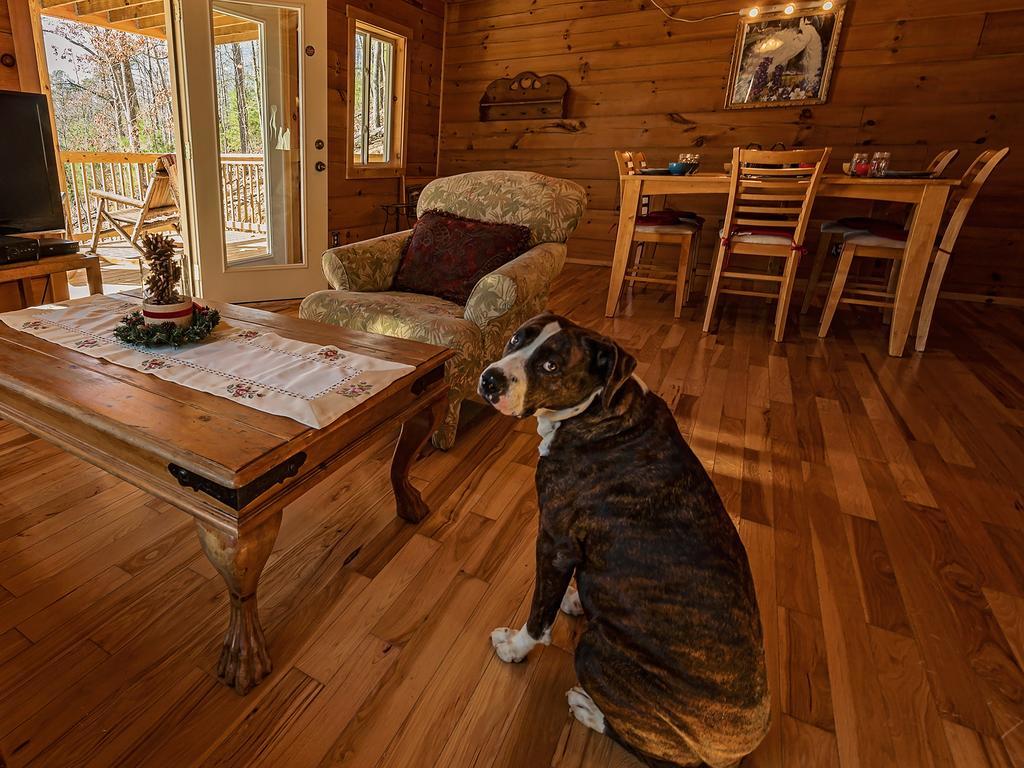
[87,7]
[155,7]
[100,20]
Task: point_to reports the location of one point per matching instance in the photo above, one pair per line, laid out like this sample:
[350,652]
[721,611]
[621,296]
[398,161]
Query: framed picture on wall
[784,60]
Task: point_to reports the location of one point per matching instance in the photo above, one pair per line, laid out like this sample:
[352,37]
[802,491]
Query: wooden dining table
[927,196]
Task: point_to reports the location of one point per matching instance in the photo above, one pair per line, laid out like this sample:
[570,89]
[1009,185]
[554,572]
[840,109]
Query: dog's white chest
[546,429]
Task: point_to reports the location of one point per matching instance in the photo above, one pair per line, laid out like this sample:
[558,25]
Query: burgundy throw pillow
[446,255]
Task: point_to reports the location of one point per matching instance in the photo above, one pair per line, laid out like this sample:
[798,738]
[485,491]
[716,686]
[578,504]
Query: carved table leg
[240,558]
[415,432]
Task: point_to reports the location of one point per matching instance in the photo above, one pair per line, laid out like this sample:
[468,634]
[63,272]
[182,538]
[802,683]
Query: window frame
[399,36]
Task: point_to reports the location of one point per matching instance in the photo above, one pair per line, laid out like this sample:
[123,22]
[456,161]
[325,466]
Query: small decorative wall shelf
[526,96]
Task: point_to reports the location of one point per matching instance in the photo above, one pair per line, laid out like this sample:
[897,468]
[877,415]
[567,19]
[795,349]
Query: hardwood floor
[880,501]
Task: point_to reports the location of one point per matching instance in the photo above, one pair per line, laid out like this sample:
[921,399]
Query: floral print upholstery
[362,275]
[369,265]
[551,208]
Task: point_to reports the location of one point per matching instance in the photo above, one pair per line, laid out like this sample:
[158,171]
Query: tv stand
[55,269]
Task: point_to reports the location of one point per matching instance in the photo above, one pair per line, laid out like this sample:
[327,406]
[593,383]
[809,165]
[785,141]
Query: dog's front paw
[508,644]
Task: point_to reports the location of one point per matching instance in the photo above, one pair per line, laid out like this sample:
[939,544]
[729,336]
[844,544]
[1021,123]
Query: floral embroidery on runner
[243,336]
[356,389]
[244,391]
[155,364]
[331,354]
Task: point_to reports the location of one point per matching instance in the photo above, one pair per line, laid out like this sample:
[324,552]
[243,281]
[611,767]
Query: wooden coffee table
[231,467]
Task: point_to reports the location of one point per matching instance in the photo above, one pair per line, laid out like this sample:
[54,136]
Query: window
[376,95]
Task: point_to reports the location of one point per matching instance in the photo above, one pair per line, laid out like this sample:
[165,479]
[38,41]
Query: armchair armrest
[369,265]
[502,300]
[115,198]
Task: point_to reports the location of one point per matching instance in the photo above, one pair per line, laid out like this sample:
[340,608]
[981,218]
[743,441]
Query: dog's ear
[613,364]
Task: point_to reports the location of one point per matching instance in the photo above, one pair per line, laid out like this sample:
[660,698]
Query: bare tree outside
[112,90]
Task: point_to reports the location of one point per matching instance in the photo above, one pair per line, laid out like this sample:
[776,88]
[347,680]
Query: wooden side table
[55,268]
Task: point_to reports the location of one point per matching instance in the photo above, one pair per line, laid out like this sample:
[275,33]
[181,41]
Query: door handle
[321,166]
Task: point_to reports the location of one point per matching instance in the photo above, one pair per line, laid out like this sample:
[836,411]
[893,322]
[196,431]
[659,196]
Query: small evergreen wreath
[134,331]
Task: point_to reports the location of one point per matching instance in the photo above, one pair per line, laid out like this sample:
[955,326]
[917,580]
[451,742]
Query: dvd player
[14,249]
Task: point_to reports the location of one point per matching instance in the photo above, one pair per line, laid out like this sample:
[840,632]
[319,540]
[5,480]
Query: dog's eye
[549,366]
[514,340]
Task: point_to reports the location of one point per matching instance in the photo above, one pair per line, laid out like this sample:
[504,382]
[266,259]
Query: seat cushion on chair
[682,228]
[395,313]
[875,232]
[447,255]
[879,227]
[760,236]
[866,238]
[668,217]
[836,227]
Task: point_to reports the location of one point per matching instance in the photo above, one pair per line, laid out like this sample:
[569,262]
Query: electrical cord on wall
[670,17]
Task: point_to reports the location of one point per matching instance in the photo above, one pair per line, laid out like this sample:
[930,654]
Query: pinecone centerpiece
[164,300]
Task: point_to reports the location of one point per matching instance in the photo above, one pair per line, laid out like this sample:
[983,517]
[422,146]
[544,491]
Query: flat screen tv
[29,189]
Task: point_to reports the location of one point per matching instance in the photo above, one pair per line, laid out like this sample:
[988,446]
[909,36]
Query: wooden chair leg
[682,274]
[836,291]
[100,210]
[820,257]
[638,255]
[785,294]
[894,276]
[651,263]
[716,276]
[931,296]
[692,263]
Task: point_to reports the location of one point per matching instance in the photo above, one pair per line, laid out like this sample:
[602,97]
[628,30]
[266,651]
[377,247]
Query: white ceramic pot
[156,314]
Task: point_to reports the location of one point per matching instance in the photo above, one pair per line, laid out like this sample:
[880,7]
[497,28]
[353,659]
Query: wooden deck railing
[129,174]
[242,184]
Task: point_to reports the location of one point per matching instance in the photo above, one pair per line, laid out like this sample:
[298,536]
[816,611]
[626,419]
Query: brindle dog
[671,664]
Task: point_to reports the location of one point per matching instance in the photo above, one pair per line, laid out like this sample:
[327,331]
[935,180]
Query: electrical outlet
[335,238]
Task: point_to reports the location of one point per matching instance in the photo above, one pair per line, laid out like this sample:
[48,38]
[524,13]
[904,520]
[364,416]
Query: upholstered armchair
[361,275]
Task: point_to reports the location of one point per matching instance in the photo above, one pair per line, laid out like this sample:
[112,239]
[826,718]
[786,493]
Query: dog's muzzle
[493,384]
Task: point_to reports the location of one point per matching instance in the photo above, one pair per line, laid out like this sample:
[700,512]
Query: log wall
[354,205]
[911,77]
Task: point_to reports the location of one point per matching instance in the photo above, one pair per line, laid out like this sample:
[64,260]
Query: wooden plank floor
[880,501]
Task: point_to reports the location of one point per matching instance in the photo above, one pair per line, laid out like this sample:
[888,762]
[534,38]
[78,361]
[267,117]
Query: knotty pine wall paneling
[353,205]
[911,77]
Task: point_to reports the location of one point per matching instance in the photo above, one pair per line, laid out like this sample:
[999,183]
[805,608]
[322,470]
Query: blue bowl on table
[677,169]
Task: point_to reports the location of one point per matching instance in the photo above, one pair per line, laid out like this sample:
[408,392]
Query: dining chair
[841,227]
[889,245]
[683,230]
[770,198]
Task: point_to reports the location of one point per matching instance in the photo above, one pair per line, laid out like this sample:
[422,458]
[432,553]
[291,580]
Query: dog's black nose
[492,384]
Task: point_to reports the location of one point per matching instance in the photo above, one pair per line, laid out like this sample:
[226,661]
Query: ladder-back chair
[132,218]
[771,194]
[839,227]
[890,245]
[683,232]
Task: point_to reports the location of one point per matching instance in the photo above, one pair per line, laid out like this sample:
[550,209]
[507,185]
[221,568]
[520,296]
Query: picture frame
[807,38]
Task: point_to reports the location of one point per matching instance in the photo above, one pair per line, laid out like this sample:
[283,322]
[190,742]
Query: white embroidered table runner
[312,384]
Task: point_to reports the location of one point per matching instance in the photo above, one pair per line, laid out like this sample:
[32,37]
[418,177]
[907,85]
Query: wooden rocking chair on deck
[132,218]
